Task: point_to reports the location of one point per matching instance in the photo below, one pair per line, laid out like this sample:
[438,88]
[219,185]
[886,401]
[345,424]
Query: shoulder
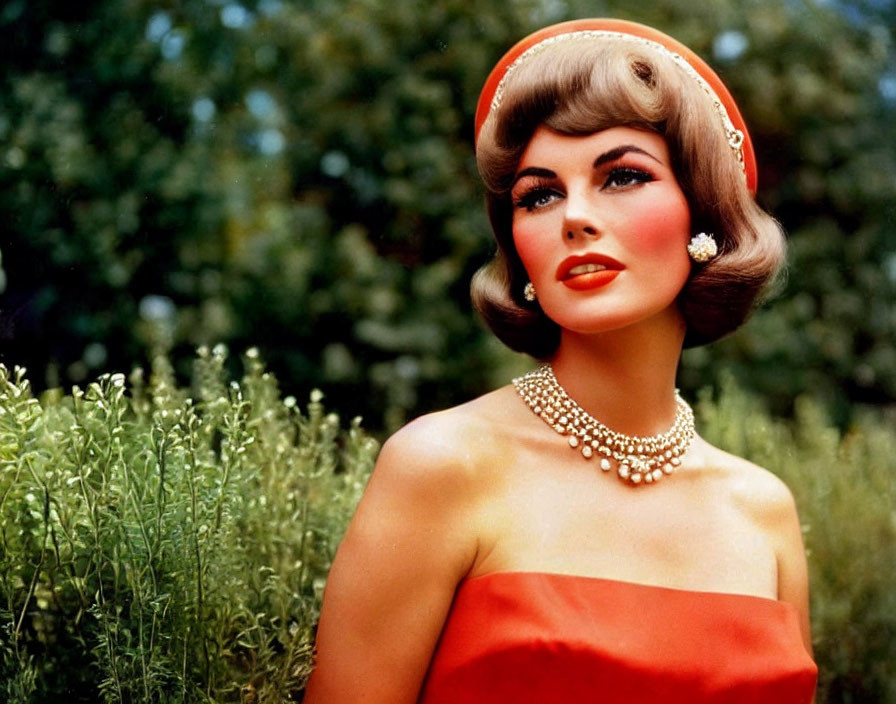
[440,470]
[457,444]
[424,496]
[769,504]
[752,488]
[429,490]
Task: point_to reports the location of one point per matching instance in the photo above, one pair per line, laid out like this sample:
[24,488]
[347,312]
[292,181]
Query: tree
[299,176]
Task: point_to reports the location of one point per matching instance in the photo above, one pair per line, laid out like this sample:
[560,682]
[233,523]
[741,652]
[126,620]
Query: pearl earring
[529,292]
[702,247]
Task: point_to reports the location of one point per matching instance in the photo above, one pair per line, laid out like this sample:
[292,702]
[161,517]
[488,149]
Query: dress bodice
[526,637]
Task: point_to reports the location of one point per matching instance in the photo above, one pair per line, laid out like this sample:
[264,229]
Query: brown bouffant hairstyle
[584,86]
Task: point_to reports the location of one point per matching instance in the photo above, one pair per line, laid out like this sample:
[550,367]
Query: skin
[487,487]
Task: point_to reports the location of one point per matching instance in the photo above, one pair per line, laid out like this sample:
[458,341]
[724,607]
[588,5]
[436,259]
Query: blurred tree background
[299,176]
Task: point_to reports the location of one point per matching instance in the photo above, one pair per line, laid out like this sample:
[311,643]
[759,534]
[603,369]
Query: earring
[702,247]
[529,292]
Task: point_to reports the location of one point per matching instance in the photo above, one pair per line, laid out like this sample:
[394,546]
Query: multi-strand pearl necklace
[637,459]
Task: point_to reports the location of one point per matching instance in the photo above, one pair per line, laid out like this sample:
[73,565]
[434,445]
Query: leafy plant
[159,544]
[170,544]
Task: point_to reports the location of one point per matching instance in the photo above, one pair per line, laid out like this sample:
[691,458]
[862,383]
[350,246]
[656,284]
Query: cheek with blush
[532,247]
[660,229]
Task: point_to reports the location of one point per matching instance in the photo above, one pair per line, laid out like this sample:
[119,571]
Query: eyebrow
[533,171]
[616,153]
[608,156]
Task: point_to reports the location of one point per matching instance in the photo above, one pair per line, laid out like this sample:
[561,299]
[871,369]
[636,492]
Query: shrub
[164,545]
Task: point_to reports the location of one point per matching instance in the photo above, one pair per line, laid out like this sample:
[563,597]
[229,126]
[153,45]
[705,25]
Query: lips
[589,271]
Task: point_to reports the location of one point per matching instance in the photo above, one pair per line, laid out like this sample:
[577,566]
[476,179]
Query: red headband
[697,68]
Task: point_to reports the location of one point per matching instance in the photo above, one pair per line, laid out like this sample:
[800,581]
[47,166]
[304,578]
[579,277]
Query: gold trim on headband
[735,136]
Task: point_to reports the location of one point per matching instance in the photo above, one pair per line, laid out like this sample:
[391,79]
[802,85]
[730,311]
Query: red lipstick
[588,271]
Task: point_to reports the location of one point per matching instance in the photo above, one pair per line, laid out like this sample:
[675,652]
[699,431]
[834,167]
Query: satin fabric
[522,638]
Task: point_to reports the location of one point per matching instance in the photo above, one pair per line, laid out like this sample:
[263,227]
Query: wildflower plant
[170,544]
[162,544]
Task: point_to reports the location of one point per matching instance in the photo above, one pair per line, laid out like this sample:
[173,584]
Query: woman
[515,548]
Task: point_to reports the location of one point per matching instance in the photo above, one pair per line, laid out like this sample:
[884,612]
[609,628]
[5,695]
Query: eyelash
[535,197]
[627,174]
[619,177]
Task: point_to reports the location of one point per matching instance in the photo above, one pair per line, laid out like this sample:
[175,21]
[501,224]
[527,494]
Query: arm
[793,577]
[389,591]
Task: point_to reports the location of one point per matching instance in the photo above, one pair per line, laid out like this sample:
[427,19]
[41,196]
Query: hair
[582,87]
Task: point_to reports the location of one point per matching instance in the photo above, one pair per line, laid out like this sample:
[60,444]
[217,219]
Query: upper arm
[393,579]
[793,577]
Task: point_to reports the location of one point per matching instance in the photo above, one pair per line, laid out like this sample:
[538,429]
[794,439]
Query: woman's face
[601,226]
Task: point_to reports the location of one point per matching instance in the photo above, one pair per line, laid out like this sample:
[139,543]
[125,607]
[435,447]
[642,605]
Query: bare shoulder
[456,444]
[421,513]
[751,487]
[427,494]
[767,501]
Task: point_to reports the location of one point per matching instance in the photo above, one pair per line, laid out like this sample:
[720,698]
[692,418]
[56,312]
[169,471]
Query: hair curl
[582,87]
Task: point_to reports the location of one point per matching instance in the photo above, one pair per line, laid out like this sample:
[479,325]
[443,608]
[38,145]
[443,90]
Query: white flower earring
[702,247]
[529,292]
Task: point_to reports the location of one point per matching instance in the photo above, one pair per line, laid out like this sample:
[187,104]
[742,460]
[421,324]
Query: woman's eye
[626,176]
[536,198]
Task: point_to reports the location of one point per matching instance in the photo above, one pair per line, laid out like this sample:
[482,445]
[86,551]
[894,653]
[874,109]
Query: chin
[662,320]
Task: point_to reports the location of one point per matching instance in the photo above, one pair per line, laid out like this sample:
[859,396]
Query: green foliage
[845,490]
[164,544]
[300,176]
[818,88]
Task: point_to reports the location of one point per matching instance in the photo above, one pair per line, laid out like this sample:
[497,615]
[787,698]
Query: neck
[625,378]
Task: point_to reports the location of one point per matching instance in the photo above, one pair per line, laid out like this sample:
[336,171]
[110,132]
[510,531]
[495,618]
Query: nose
[579,217]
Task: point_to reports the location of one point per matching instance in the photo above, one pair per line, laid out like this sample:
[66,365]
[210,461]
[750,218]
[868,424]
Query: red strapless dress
[527,638]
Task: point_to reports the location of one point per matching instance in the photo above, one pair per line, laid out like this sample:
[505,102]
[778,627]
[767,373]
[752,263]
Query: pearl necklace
[637,459]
